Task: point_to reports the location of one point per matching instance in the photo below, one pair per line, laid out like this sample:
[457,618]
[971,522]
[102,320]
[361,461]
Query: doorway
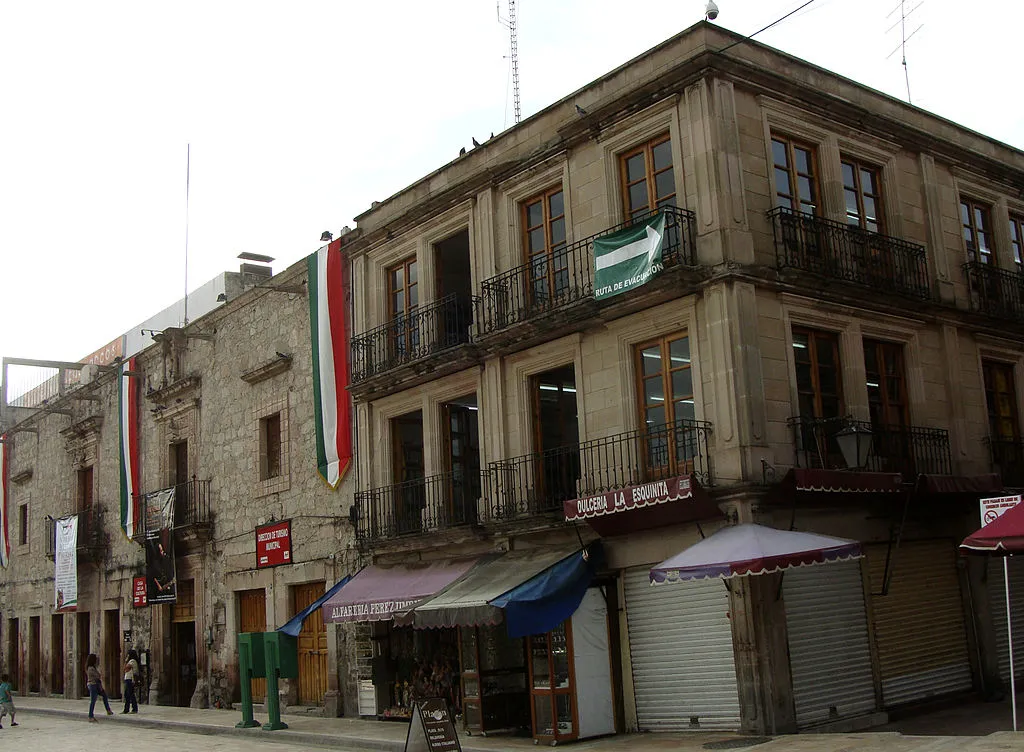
[112,652]
[184,661]
[82,649]
[13,652]
[57,654]
[179,479]
[556,437]
[34,653]
[454,288]
[462,459]
[407,472]
[252,617]
[312,645]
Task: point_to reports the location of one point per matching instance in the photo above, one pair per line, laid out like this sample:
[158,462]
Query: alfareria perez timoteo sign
[274,544]
[628,258]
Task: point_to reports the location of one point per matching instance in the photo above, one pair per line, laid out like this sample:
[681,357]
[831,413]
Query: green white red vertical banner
[128,417]
[329,333]
[5,541]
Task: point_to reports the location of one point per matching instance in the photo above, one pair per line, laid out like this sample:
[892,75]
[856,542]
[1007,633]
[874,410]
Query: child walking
[95,683]
[6,701]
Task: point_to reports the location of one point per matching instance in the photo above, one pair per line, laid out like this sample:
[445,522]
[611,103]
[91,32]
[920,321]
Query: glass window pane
[867,181]
[682,383]
[826,353]
[563,705]
[539,658]
[684,410]
[802,157]
[635,167]
[414,296]
[651,358]
[412,273]
[663,155]
[779,154]
[664,183]
[536,240]
[655,416]
[965,214]
[679,351]
[556,204]
[398,302]
[654,391]
[870,209]
[804,188]
[534,214]
[398,279]
[560,658]
[782,181]
[848,179]
[543,725]
[852,210]
[558,231]
[638,195]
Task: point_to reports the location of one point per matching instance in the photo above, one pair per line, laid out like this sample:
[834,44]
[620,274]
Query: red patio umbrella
[1003,537]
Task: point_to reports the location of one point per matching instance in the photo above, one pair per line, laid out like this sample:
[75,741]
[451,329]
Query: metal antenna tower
[904,38]
[515,54]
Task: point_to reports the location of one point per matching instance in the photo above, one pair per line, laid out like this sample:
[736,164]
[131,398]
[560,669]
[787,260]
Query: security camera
[711,11]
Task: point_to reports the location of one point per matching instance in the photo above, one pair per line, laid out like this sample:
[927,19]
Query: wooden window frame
[552,252]
[23,524]
[552,692]
[664,345]
[405,337]
[988,369]
[858,190]
[814,336]
[654,201]
[880,348]
[793,197]
[1017,242]
[271,446]
[973,209]
[86,493]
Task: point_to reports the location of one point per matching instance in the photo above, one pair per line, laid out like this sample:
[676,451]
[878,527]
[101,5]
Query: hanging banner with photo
[160,575]
[65,579]
[628,258]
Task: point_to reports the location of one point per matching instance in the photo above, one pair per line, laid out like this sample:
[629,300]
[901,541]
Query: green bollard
[273,701]
[245,677]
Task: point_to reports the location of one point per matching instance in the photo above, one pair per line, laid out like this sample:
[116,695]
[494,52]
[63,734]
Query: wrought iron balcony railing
[90,533]
[995,292]
[539,483]
[909,450]
[566,277]
[191,506]
[417,506]
[1008,460]
[430,329]
[850,254]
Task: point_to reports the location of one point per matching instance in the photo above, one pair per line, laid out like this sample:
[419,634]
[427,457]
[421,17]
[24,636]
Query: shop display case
[494,681]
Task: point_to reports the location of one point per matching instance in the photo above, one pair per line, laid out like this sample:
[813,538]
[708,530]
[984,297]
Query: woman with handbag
[95,683]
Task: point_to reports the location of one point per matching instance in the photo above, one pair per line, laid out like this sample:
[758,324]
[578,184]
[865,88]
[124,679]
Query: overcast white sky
[300,114]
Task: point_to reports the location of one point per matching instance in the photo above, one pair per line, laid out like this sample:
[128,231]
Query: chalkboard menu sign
[431,728]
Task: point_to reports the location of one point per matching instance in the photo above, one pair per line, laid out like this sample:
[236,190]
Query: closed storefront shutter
[680,639]
[829,651]
[997,603]
[919,625]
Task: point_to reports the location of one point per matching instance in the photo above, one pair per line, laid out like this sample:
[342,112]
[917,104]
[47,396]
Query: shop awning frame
[819,480]
[294,625]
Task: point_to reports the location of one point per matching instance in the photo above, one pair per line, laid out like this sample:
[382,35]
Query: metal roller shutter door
[919,626]
[997,602]
[829,650]
[680,640]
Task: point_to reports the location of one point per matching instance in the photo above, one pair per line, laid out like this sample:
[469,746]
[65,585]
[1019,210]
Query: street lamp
[855,444]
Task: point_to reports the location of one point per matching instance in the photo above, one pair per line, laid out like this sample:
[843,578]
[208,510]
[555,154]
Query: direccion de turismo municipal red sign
[274,544]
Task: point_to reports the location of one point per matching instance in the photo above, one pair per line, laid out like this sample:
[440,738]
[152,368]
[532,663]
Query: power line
[773,23]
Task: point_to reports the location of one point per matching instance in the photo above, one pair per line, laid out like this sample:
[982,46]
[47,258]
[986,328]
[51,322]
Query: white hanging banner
[65,580]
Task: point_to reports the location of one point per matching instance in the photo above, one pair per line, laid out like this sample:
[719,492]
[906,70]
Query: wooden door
[57,654]
[252,617]
[112,652]
[312,645]
[82,644]
[183,648]
[34,649]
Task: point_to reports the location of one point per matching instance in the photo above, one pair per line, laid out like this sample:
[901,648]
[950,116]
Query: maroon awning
[843,481]
[961,484]
[644,506]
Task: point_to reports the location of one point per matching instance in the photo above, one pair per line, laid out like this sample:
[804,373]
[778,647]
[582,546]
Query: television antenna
[510,24]
[904,37]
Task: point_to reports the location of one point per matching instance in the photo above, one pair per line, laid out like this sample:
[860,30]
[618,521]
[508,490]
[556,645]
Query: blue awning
[546,600]
[294,625]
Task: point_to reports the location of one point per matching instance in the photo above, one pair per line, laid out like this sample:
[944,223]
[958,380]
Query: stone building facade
[836,264]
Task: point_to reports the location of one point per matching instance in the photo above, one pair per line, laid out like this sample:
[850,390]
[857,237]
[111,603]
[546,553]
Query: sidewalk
[354,734]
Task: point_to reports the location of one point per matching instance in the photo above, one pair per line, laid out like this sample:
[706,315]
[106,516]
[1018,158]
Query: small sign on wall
[127,636]
[274,544]
[139,592]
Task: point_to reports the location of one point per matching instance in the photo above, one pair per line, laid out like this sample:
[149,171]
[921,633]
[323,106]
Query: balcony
[91,539]
[847,253]
[1008,460]
[192,518]
[538,484]
[908,450]
[560,287]
[422,341]
[417,506]
[995,292]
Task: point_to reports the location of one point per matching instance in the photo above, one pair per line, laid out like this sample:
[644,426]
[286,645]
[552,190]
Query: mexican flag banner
[629,257]
[329,333]
[128,420]
[5,541]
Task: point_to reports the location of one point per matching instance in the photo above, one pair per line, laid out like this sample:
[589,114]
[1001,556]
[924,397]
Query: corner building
[836,263]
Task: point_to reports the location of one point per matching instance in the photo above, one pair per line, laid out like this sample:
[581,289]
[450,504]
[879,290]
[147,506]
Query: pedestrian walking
[95,684]
[131,678]
[6,701]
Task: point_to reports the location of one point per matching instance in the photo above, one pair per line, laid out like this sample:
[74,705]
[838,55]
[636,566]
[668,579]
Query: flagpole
[1009,634]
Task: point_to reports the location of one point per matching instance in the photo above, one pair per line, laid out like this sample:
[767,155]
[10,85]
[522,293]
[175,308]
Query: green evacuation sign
[628,258]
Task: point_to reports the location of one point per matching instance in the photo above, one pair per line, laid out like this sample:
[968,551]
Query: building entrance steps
[982,723]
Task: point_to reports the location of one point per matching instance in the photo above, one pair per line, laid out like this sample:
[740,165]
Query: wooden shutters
[1001,400]
[795,173]
[818,375]
[312,646]
[976,222]
[648,177]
